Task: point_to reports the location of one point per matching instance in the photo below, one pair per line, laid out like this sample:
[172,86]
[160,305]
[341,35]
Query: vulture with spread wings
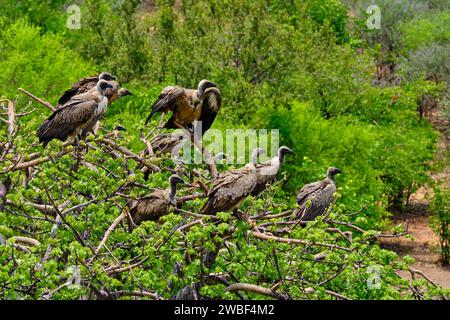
[188,106]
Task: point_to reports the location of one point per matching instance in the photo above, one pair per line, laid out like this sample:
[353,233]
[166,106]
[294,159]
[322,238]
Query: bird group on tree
[77,115]
[80,109]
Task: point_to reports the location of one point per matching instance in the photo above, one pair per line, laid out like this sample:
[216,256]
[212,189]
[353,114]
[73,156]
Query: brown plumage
[189,105]
[267,172]
[86,84]
[231,188]
[156,204]
[75,116]
[168,143]
[314,198]
[5,186]
[163,144]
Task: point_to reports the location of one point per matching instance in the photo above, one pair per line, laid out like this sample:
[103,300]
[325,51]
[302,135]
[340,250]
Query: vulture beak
[338,171]
[210,84]
[120,128]
[125,92]
[288,151]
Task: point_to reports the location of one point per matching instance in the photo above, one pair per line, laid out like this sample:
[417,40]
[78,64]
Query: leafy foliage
[296,66]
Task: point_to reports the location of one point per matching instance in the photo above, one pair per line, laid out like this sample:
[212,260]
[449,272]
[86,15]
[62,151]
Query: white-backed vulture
[314,198]
[156,204]
[86,84]
[231,188]
[75,116]
[189,105]
[267,172]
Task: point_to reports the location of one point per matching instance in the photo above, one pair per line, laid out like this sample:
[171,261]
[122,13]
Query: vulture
[231,188]
[4,189]
[156,204]
[86,84]
[267,172]
[314,198]
[77,116]
[162,144]
[188,106]
[168,143]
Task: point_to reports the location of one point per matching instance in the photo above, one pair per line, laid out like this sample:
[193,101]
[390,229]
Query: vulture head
[202,86]
[332,171]
[102,85]
[282,152]
[106,76]
[124,92]
[120,128]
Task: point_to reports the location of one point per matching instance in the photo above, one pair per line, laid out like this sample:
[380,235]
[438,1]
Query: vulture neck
[280,157]
[330,177]
[255,156]
[100,91]
[172,192]
[201,94]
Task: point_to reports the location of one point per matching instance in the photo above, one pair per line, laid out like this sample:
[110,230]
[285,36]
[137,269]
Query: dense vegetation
[341,95]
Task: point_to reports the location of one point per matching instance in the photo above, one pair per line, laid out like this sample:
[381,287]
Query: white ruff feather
[101,108]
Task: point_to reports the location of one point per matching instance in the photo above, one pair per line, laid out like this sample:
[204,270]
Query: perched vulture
[163,144]
[4,189]
[156,204]
[76,116]
[231,188]
[168,143]
[267,172]
[189,105]
[314,198]
[86,84]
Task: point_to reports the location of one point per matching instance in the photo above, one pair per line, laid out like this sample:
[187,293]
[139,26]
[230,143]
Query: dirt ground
[425,246]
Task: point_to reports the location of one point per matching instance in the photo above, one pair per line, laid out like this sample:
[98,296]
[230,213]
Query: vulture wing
[150,207]
[166,101]
[81,86]
[266,173]
[317,199]
[229,190]
[309,189]
[210,108]
[63,122]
